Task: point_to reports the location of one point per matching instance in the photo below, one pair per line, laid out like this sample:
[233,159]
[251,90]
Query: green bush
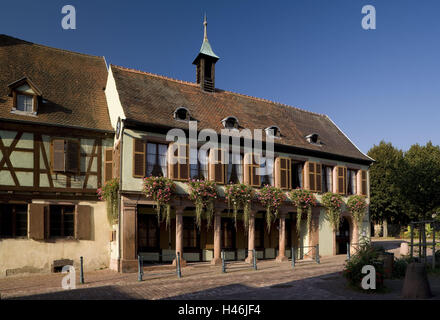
[366,255]
[399,267]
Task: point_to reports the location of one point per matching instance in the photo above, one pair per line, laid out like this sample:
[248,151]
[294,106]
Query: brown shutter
[108,164]
[83,222]
[282,173]
[217,166]
[116,161]
[36,221]
[72,156]
[363,182]
[139,150]
[183,153]
[256,182]
[312,176]
[172,155]
[247,161]
[341,179]
[58,155]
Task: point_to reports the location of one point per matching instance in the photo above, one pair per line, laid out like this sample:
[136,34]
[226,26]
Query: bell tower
[205,63]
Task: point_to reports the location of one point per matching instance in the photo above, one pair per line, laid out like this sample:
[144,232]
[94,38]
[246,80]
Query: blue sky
[313,54]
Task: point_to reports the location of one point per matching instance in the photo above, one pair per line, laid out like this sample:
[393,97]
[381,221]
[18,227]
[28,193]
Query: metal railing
[316,256]
[178,271]
[254,261]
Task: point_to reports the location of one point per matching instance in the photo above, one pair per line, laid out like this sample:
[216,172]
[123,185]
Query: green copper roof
[207,50]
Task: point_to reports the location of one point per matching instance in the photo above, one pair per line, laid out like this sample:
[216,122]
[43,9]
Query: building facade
[310,151]
[54,130]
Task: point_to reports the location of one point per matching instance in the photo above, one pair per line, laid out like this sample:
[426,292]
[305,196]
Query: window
[351,182]
[25,102]
[190,233]
[156,159]
[266,171]
[230,123]
[65,155]
[13,220]
[297,174]
[179,162]
[199,162]
[181,114]
[314,176]
[327,179]
[228,234]
[313,138]
[61,221]
[273,131]
[148,232]
[251,176]
[235,168]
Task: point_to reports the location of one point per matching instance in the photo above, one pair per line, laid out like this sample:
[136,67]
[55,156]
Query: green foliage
[399,267]
[240,196]
[109,193]
[358,208]
[303,200]
[386,201]
[420,180]
[366,255]
[333,207]
[271,198]
[160,189]
[203,194]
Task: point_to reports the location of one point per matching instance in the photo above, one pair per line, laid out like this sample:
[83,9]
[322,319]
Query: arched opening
[343,236]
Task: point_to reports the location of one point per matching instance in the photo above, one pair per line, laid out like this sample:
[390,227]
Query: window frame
[65,155]
[14,221]
[62,226]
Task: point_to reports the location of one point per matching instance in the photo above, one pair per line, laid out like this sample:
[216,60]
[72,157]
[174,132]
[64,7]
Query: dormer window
[230,122]
[182,114]
[273,131]
[25,96]
[313,138]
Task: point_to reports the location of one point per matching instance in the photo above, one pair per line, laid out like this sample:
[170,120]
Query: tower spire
[205,27]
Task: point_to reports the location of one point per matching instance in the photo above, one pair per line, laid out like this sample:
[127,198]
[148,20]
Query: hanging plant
[358,208]
[271,198]
[333,205]
[203,194]
[160,189]
[239,196]
[303,200]
[109,193]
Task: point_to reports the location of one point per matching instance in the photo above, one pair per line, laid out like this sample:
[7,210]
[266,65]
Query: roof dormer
[230,122]
[25,96]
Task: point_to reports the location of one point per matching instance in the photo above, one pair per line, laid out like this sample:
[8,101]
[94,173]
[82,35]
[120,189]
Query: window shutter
[184,164]
[342,180]
[217,165]
[108,164]
[363,182]
[282,173]
[177,153]
[172,156]
[255,178]
[83,222]
[139,150]
[36,221]
[247,161]
[72,156]
[58,155]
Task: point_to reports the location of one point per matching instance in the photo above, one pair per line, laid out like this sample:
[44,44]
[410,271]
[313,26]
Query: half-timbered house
[54,132]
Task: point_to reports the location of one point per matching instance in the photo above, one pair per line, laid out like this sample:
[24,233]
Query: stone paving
[202,281]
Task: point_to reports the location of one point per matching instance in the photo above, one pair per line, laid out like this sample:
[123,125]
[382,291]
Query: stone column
[217,238]
[282,239]
[354,237]
[179,236]
[251,237]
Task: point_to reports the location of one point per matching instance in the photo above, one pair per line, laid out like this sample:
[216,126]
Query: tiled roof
[152,99]
[72,84]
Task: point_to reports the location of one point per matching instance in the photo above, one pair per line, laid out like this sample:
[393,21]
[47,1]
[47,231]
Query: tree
[386,202]
[420,183]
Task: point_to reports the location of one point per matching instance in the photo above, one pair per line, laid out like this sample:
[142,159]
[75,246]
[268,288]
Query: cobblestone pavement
[202,281]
